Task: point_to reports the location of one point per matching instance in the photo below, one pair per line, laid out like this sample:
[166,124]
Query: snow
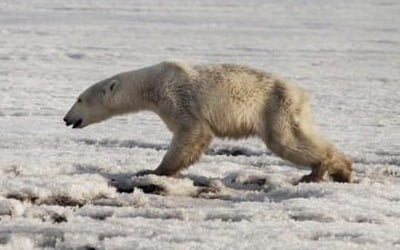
[72,189]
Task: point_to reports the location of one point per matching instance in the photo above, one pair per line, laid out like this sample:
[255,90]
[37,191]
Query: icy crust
[63,189]
[235,186]
[327,215]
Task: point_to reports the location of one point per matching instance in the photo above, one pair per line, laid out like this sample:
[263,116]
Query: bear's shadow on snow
[227,151]
[233,183]
[236,187]
[226,188]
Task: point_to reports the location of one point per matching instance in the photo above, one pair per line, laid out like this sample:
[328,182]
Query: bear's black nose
[67,123]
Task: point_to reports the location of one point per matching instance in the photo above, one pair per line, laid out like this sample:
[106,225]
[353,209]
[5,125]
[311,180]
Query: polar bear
[200,102]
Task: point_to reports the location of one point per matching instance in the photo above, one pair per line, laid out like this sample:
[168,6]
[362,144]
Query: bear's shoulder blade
[179,66]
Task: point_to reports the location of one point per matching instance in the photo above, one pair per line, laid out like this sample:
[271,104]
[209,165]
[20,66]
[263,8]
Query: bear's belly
[234,124]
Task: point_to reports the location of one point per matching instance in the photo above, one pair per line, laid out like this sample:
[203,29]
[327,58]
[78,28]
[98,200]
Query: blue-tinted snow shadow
[227,150]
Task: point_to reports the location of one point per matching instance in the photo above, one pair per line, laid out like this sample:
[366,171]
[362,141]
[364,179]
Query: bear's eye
[79,100]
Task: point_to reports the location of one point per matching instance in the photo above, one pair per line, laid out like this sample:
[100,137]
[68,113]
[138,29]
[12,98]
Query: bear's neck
[140,90]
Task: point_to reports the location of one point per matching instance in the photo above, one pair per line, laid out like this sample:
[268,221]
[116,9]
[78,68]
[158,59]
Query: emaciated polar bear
[200,102]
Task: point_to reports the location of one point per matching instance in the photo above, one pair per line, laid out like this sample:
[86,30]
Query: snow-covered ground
[70,189]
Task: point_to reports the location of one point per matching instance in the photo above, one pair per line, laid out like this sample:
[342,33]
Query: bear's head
[95,104]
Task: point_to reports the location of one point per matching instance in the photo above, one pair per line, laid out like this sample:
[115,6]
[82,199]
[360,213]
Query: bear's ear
[110,86]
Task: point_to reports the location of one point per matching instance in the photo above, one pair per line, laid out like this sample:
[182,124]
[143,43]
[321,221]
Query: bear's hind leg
[317,174]
[300,150]
[290,133]
[301,145]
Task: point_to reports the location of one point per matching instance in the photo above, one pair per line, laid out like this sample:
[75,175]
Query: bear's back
[233,98]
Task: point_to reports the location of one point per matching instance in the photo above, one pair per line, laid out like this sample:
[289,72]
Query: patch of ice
[63,190]
[134,199]
[11,207]
[78,241]
[166,185]
[18,242]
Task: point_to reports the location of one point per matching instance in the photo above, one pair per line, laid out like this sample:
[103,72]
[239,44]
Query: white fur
[200,102]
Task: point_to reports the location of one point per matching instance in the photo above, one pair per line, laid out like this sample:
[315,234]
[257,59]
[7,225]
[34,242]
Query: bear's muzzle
[75,123]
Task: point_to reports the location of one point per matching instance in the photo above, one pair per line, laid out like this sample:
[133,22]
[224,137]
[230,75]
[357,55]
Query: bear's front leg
[186,148]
